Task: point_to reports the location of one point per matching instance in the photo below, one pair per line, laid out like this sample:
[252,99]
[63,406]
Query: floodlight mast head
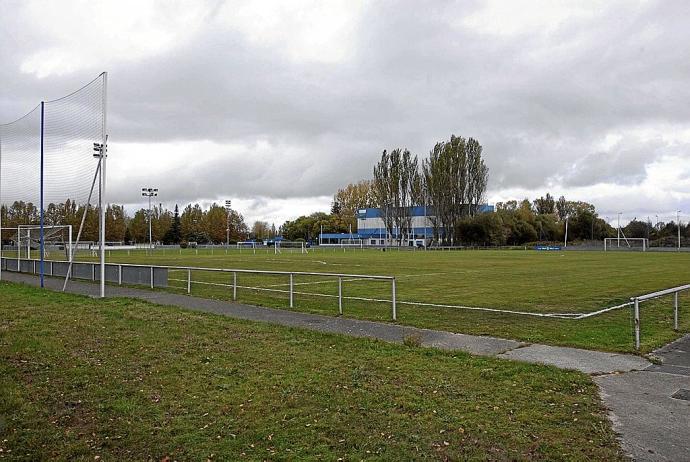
[99,150]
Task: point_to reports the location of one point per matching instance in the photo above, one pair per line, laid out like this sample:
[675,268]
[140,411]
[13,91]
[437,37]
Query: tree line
[194,224]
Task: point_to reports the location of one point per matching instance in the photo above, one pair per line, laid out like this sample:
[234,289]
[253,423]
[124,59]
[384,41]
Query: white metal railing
[291,281]
[661,293]
[341,277]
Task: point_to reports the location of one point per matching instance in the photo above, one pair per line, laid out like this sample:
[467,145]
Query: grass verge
[125,380]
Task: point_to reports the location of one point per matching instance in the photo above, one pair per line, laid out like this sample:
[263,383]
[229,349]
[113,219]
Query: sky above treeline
[275,105]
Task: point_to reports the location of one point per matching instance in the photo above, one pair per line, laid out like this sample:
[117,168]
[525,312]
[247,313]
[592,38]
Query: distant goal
[355,242]
[626,243]
[290,247]
[26,239]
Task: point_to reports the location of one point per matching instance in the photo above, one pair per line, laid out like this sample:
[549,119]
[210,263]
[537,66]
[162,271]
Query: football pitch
[439,290]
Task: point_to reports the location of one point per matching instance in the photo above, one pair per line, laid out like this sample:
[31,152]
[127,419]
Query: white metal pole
[292,282]
[619,229]
[340,294]
[189,281]
[0,205]
[234,285]
[69,236]
[104,150]
[395,307]
[637,324]
[81,225]
[675,311]
[150,219]
[678,226]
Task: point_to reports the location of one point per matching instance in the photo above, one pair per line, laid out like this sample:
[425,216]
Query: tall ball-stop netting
[50,176]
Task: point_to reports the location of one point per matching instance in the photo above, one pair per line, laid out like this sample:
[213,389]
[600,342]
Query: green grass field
[118,379]
[542,282]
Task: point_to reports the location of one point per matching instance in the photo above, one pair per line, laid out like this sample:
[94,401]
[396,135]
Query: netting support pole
[42,216]
[81,227]
[104,151]
[675,311]
[292,287]
[234,285]
[0,205]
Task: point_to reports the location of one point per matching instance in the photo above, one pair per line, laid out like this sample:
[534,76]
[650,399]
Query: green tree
[174,233]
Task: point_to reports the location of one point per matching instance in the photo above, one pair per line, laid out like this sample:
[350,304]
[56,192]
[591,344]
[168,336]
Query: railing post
[637,323]
[119,275]
[675,311]
[234,285]
[395,307]
[340,294]
[152,276]
[189,281]
[292,283]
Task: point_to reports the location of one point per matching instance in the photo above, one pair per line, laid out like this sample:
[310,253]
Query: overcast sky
[276,104]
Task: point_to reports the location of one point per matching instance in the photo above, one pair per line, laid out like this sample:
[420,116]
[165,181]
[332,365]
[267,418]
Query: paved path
[647,408]
[652,424]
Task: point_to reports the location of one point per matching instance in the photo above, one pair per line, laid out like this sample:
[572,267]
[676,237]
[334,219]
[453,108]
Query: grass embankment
[557,282]
[126,380]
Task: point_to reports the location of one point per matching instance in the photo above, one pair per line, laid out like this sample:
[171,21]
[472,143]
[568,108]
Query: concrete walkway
[590,362]
[647,404]
[650,409]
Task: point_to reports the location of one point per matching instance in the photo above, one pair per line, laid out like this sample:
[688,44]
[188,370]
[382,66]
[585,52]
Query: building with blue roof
[371,229]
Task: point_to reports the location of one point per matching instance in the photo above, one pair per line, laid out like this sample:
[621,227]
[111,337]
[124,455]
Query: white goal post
[626,243]
[290,246]
[28,238]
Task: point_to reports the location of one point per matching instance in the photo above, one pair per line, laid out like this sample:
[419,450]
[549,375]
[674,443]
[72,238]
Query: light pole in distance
[228,203]
[150,192]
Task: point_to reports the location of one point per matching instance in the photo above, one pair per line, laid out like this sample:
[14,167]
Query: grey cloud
[624,165]
[540,102]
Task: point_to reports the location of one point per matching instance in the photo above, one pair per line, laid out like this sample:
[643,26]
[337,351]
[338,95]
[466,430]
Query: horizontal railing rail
[341,277]
[651,296]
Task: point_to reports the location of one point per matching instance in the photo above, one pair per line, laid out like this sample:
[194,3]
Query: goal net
[290,247]
[626,243]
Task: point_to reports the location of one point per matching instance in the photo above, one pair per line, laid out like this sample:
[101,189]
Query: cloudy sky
[276,104]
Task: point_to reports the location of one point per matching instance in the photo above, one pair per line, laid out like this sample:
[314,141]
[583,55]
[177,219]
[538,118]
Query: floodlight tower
[100,152]
[678,226]
[150,192]
[228,203]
